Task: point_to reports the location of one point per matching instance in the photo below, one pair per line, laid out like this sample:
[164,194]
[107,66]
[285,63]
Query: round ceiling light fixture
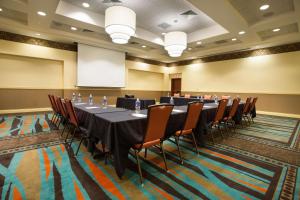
[120,23]
[175,43]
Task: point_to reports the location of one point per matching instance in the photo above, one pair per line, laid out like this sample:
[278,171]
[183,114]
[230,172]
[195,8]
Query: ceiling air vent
[221,42]
[189,12]
[268,14]
[164,25]
[112,1]
[134,43]
[87,31]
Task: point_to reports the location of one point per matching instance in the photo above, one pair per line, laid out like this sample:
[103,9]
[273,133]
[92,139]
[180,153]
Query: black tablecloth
[119,131]
[129,103]
[181,101]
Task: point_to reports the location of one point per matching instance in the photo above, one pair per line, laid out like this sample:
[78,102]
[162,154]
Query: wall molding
[36,41]
[205,59]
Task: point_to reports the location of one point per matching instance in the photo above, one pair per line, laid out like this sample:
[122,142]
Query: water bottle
[216,99]
[73,97]
[201,99]
[172,101]
[91,99]
[137,104]
[104,102]
[79,98]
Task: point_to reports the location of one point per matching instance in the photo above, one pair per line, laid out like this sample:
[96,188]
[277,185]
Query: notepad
[91,107]
[139,115]
[175,110]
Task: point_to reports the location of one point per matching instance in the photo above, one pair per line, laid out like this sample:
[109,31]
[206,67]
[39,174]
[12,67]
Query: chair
[245,110]
[63,111]
[187,96]
[56,110]
[251,107]
[228,120]
[215,124]
[53,108]
[191,120]
[158,117]
[207,97]
[73,120]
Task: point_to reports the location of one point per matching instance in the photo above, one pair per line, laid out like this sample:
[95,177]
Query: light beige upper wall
[26,72]
[272,74]
[34,54]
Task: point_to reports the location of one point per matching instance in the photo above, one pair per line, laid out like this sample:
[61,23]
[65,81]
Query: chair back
[220,110]
[71,112]
[234,107]
[246,106]
[54,104]
[207,97]
[192,115]
[158,117]
[187,96]
[252,105]
[225,97]
[51,102]
[61,107]
[176,95]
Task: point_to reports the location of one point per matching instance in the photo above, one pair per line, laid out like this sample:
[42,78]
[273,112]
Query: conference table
[129,103]
[119,129]
[180,101]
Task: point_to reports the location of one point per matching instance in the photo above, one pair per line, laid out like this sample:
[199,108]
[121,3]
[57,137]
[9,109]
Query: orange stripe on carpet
[46,163]
[103,180]
[163,193]
[2,125]
[45,125]
[16,194]
[79,195]
[62,148]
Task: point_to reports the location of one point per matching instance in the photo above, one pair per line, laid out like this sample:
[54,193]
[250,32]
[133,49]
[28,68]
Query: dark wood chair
[56,110]
[248,114]
[228,120]
[158,117]
[192,116]
[216,123]
[246,110]
[73,120]
[65,116]
[53,108]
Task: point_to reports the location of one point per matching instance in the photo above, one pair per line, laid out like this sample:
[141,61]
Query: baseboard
[27,110]
[278,114]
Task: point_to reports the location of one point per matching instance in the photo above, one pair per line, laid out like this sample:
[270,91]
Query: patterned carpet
[48,170]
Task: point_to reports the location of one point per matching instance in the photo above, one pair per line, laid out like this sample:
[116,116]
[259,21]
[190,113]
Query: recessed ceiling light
[163,33]
[242,32]
[199,42]
[73,28]
[38,34]
[144,46]
[85,4]
[264,7]
[0,9]
[233,39]
[276,29]
[41,13]
[189,48]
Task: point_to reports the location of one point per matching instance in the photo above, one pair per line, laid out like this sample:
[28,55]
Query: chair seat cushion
[184,132]
[146,144]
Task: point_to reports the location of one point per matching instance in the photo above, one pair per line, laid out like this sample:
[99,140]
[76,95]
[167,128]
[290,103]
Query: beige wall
[26,72]
[269,74]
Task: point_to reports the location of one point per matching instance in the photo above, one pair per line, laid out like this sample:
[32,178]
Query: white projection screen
[98,67]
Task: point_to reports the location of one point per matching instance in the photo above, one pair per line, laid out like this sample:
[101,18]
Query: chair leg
[195,143]
[177,143]
[145,155]
[73,135]
[164,155]
[139,166]
[221,132]
[79,145]
[212,136]
[67,135]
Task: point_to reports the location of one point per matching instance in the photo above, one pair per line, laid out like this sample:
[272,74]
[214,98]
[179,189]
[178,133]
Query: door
[175,85]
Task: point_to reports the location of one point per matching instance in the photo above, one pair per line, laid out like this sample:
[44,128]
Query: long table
[181,101]
[119,129]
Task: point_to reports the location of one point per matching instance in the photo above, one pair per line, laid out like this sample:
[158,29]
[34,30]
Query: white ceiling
[216,23]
